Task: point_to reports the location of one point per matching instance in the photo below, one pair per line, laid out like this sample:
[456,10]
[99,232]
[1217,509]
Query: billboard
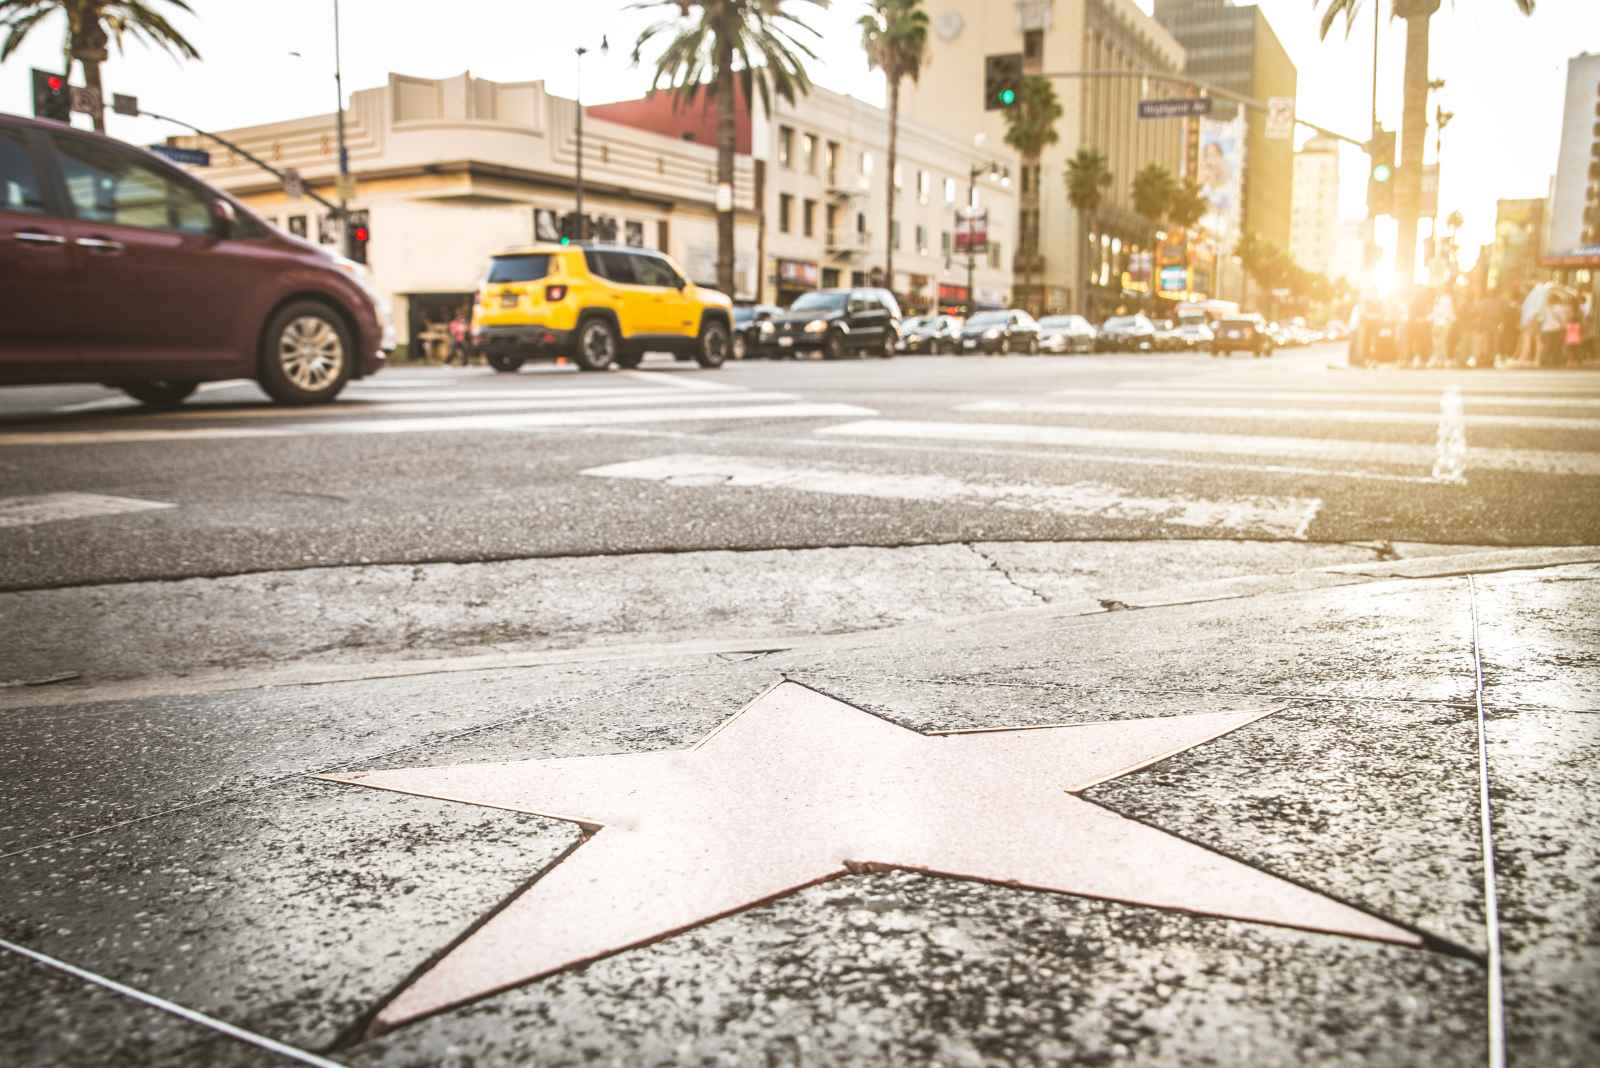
[1222,176]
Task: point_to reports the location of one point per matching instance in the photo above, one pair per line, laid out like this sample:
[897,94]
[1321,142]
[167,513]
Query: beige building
[450,171]
[1100,113]
[825,161]
[1314,217]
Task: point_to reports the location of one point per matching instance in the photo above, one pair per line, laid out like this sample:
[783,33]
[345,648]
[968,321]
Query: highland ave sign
[1180,108]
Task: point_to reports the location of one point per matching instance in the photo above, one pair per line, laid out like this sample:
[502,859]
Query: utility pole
[972,216]
[605,47]
[345,238]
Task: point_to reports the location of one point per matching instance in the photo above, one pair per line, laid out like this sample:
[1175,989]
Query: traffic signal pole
[344,154]
[230,146]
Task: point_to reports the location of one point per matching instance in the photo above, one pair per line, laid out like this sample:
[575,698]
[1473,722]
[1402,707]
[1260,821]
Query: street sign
[345,185]
[1180,108]
[123,104]
[972,230]
[294,186]
[194,157]
[84,101]
[1280,118]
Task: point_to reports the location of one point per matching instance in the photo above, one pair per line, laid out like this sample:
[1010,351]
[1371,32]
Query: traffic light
[571,228]
[52,99]
[1002,80]
[360,234]
[1380,184]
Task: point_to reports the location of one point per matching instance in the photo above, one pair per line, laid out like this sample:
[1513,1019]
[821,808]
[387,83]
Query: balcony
[846,242]
[845,187]
[1028,261]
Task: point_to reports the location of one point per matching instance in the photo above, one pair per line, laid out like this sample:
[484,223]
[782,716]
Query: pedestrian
[1574,337]
[458,339]
[1442,319]
[1510,330]
[1552,324]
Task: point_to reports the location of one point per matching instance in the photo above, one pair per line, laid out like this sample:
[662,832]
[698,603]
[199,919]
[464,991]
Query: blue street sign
[1181,108]
[194,157]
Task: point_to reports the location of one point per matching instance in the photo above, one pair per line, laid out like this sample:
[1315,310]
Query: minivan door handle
[101,245]
[35,237]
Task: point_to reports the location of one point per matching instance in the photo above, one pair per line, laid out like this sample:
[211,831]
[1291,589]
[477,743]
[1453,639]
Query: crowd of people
[1548,326]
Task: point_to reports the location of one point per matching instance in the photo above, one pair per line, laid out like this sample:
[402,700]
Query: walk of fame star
[798,788]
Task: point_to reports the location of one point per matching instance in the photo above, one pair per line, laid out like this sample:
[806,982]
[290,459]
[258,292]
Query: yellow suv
[597,305]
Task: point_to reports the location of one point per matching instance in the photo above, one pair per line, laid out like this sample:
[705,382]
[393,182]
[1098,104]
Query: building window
[831,162]
[972,196]
[994,255]
[861,222]
[808,153]
[866,164]
[833,219]
[924,184]
[785,212]
[808,218]
[858,278]
[922,240]
[830,278]
[899,176]
[946,243]
[949,190]
[894,234]
[785,146]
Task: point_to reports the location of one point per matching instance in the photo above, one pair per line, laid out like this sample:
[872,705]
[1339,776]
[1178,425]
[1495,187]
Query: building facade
[1575,202]
[1314,219]
[821,166]
[1052,249]
[450,171]
[1519,228]
[1234,48]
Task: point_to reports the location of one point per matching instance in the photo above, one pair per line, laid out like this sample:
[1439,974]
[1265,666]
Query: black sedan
[1127,333]
[751,323]
[1001,332]
[931,334]
[1248,333]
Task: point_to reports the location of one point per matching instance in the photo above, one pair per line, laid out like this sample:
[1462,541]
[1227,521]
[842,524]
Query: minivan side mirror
[223,218]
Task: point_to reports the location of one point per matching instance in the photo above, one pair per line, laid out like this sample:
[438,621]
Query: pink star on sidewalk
[798,788]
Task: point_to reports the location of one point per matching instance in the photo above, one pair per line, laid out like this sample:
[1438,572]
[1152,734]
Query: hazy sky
[1505,73]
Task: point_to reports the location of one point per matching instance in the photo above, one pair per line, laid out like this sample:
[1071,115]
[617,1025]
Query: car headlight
[817,326]
[764,328]
[990,335]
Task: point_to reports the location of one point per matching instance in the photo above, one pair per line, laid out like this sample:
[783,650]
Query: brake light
[555,293]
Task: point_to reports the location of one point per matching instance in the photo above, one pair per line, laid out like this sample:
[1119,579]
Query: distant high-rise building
[1518,238]
[1314,221]
[1574,221]
[1234,48]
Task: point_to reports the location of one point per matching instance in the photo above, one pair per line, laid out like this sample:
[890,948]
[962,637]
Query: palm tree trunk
[725,155]
[894,159]
[1413,135]
[91,80]
[1086,221]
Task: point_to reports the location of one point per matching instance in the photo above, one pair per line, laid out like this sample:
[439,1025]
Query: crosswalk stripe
[1306,415]
[53,507]
[1308,396]
[1288,517]
[524,421]
[122,400]
[374,409]
[690,380]
[365,393]
[1541,461]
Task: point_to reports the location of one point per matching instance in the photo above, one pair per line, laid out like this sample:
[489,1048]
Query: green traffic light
[566,240]
[1008,97]
[1382,172]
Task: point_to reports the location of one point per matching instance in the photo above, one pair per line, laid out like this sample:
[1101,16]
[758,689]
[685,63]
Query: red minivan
[118,267]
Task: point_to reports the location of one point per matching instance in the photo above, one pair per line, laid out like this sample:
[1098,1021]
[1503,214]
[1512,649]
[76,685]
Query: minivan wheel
[306,354]
[505,362]
[597,344]
[715,344]
[160,393]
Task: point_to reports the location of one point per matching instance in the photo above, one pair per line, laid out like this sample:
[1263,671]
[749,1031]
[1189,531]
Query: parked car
[121,268]
[1167,337]
[750,323]
[1066,333]
[1127,333]
[598,305]
[932,334]
[1196,335]
[1001,332]
[839,323]
[1246,333]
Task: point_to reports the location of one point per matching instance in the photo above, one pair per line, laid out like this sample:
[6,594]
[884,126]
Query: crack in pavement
[995,565]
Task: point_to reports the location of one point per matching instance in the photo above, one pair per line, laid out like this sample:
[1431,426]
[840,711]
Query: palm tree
[1414,116]
[91,25]
[724,47]
[894,34]
[1153,190]
[1030,129]
[1088,178]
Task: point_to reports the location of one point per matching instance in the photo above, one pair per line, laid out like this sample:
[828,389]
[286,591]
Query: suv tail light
[555,293]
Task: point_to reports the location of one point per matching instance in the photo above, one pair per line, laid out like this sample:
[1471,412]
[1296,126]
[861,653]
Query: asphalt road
[425,465]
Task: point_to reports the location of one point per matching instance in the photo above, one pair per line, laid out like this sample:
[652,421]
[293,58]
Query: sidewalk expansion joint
[1491,907]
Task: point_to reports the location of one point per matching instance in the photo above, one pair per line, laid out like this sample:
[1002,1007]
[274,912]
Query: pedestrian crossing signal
[52,98]
[1002,78]
[360,234]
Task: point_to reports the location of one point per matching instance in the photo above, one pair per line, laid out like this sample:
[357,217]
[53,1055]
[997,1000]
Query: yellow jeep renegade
[597,305]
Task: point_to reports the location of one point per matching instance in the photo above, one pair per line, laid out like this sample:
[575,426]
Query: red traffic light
[361,233]
[55,82]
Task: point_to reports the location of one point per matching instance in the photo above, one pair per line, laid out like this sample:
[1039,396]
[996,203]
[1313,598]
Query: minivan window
[109,186]
[528,268]
[19,186]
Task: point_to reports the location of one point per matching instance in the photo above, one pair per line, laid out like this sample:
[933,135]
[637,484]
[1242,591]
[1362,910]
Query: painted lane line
[125,401]
[1421,399]
[155,1002]
[1282,415]
[395,396]
[54,507]
[689,380]
[408,407]
[1277,516]
[441,424]
[1450,447]
[1537,461]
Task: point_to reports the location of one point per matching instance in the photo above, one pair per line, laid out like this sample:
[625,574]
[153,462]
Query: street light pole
[972,216]
[346,238]
[581,51]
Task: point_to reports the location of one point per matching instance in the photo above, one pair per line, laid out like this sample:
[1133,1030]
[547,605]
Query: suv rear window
[529,268]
